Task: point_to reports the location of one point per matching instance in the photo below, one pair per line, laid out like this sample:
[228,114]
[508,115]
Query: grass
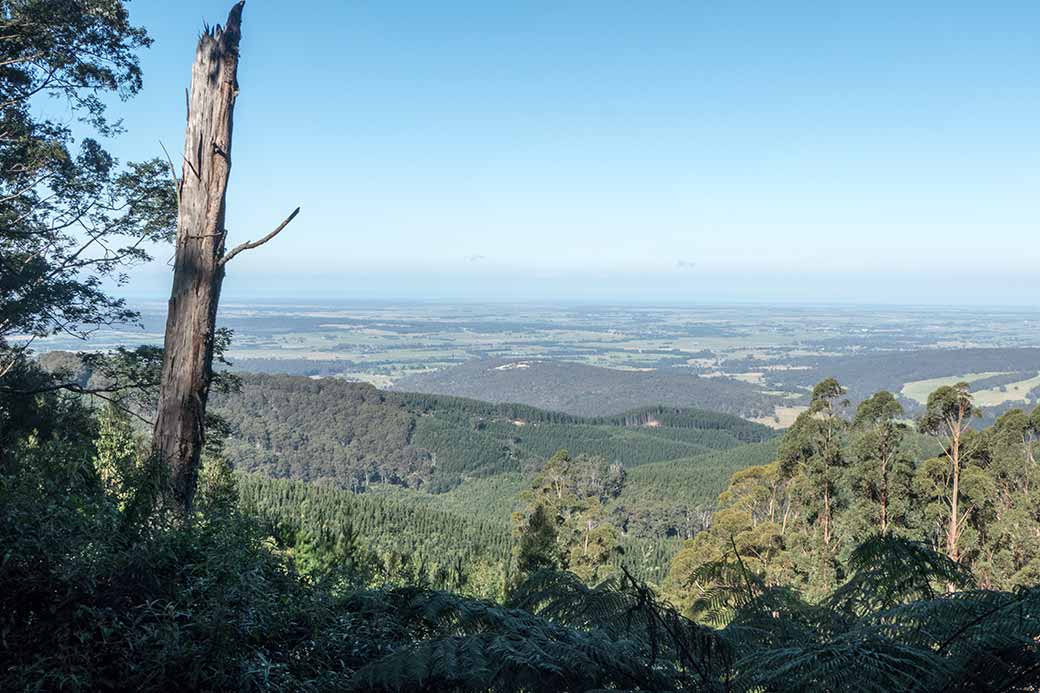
[783,417]
[919,390]
[1012,392]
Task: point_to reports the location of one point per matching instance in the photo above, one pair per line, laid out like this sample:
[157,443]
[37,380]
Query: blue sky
[664,151]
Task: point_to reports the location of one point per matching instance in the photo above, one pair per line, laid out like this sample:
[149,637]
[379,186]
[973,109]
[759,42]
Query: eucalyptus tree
[566,505]
[880,472]
[949,413]
[536,548]
[1011,551]
[812,454]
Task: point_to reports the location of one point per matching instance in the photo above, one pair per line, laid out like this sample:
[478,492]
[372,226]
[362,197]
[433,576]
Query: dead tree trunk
[199,260]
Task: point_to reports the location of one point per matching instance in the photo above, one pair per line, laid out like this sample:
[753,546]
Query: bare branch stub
[255,244]
[173,172]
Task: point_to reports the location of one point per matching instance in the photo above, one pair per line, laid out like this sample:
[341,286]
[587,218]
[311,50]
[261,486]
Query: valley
[525,347]
[474,458]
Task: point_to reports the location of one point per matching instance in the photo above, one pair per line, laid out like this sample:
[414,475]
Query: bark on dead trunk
[198,271]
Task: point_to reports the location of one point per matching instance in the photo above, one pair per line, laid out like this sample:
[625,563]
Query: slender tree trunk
[826,513]
[198,270]
[953,533]
[884,496]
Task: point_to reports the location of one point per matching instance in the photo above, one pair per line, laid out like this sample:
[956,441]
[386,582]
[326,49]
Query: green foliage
[402,541]
[93,598]
[880,470]
[464,449]
[948,406]
[565,506]
[630,446]
[493,497]
[283,585]
[701,419]
[889,571]
[70,217]
[353,436]
[812,459]
[323,431]
[659,503]
[116,461]
[771,517]
[537,548]
[478,646]
[675,498]
[45,413]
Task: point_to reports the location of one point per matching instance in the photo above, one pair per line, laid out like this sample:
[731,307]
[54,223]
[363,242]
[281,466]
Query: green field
[920,389]
[1012,392]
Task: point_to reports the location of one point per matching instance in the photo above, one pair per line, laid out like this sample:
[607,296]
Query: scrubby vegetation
[99,592]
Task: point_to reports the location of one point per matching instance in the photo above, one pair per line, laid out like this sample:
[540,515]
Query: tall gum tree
[813,449]
[877,442]
[949,413]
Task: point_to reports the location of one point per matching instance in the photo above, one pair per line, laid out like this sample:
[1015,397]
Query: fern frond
[989,638]
[887,571]
[855,661]
[624,608]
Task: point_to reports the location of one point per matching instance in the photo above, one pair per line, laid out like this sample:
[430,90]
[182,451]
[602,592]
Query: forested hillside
[352,435]
[675,498]
[402,540]
[407,538]
[668,549]
[322,430]
[588,390]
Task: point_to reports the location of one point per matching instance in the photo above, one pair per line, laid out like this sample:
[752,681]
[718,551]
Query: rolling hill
[352,435]
[434,454]
[585,390]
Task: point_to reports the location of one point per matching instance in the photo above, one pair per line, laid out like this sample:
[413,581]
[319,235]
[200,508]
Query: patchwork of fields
[758,361]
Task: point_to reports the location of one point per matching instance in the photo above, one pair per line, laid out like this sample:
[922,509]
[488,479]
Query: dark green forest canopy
[589,390]
[352,435]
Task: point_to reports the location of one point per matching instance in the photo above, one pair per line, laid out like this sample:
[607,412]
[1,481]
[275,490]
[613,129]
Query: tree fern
[888,570]
[468,644]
